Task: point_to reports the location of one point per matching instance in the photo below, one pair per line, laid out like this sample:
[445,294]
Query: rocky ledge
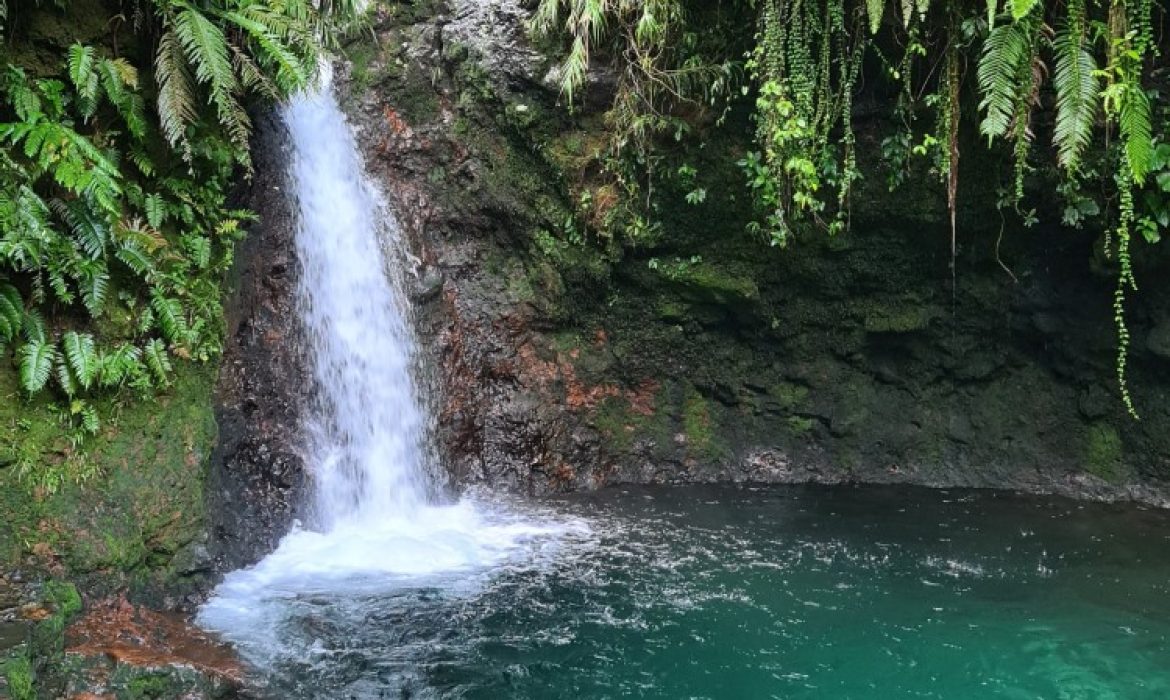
[559,364]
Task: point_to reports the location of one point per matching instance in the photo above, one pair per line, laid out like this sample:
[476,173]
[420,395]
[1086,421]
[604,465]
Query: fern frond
[874,10]
[155,209]
[169,315]
[206,50]
[89,231]
[81,354]
[176,92]
[119,365]
[1022,8]
[11,313]
[1077,98]
[93,281]
[90,422]
[36,363]
[154,354]
[65,378]
[33,326]
[1136,122]
[291,73]
[84,78]
[1004,73]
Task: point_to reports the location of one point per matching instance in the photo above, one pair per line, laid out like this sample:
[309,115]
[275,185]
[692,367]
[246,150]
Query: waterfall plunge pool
[719,592]
[645,593]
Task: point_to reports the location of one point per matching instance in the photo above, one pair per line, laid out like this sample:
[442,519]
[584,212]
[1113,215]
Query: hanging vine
[1081,62]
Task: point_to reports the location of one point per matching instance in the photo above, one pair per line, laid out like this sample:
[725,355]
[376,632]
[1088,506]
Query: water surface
[787,592]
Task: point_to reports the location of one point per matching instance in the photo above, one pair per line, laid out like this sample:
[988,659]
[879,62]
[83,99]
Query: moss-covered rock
[122,507]
[570,353]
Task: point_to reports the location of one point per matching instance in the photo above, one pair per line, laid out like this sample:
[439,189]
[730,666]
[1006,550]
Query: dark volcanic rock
[257,473]
[706,356]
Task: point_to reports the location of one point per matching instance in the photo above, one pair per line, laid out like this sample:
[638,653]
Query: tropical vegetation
[116,165]
[1094,69]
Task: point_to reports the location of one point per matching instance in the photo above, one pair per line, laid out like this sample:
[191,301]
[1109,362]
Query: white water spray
[371,527]
[365,426]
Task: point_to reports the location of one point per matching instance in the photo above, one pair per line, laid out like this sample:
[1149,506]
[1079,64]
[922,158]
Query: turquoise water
[758,593]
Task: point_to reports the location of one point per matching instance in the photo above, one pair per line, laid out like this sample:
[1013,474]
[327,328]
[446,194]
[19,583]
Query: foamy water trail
[371,526]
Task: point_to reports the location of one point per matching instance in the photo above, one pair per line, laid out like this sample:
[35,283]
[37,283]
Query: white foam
[373,527]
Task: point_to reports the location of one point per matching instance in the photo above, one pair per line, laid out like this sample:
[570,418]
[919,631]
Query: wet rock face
[118,650]
[710,357]
[257,474]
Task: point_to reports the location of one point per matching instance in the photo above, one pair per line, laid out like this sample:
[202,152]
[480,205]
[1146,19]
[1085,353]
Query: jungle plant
[665,67]
[1086,62]
[115,230]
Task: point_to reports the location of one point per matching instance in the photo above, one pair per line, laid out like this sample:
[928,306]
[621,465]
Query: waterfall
[371,529]
[365,425]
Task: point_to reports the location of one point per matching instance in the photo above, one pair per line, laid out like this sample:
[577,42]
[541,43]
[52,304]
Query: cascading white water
[371,529]
[365,427]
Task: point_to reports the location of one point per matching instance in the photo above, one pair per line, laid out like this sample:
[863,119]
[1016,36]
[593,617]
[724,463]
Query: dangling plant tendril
[804,70]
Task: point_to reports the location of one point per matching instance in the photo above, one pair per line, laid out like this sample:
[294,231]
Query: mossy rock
[1104,454]
[118,504]
[902,317]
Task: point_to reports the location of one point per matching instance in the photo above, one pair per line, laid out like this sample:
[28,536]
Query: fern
[206,50]
[33,326]
[169,315]
[90,422]
[65,377]
[93,281]
[155,356]
[1077,97]
[874,10]
[1136,124]
[1004,74]
[120,365]
[80,353]
[176,93]
[155,210]
[36,363]
[291,71]
[1023,8]
[89,230]
[11,313]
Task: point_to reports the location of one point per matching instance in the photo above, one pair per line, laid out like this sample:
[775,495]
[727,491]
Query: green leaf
[157,361]
[1163,180]
[11,312]
[1022,8]
[81,354]
[1077,98]
[874,10]
[36,364]
[155,210]
[1138,131]
[169,315]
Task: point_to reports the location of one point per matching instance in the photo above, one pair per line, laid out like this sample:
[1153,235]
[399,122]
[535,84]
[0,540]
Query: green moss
[520,288]
[704,281]
[614,419]
[1103,453]
[18,674]
[122,501]
[673,311]
[698,427]
[799,425]
[898,316]
[788,395]
[361,54]
[149,686]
